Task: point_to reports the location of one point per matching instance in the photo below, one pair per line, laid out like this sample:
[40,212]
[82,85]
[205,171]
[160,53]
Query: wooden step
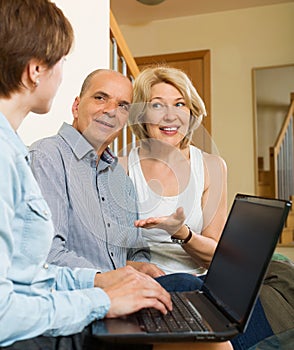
[287,236]
[290,219]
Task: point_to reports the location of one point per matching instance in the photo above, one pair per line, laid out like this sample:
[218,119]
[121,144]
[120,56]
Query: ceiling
[133,12]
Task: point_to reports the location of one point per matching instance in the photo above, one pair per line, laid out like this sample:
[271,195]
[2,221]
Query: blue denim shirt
[35,297]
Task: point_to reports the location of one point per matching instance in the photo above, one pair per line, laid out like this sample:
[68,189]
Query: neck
[14,110]
[162,151]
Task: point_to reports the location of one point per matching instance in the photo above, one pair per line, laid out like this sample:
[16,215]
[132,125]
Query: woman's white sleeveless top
[168,256]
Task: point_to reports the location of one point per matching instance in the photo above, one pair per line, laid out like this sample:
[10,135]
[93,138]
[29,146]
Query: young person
[38,298]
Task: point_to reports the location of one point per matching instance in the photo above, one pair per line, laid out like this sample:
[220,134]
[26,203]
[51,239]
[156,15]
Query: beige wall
[239,41]
[91,50]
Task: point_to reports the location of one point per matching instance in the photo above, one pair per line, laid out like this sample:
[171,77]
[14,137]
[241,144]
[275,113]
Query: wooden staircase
[287,237]
[265,190]
[277,181]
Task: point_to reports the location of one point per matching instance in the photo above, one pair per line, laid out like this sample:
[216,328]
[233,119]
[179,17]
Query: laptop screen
[244,250]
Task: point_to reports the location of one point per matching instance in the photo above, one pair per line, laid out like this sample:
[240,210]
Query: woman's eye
[180,104]
[157,106]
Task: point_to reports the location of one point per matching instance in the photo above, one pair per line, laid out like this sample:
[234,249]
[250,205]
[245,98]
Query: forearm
[199,247]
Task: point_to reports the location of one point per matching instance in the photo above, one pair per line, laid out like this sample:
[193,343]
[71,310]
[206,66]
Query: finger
[180,213]
[139,223]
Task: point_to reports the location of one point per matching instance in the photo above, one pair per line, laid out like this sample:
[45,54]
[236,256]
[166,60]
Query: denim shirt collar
[13,137]
[82,149]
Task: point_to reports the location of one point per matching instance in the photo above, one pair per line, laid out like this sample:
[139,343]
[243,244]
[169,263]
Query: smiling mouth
[104,123]
[169,129]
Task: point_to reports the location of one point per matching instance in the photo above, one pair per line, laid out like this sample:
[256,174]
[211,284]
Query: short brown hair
[30,29]
[153,75]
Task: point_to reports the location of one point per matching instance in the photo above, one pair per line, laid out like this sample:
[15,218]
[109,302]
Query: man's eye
[124,107]
[99,98]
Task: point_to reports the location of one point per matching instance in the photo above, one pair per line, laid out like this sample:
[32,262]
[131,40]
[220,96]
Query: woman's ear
[34,70]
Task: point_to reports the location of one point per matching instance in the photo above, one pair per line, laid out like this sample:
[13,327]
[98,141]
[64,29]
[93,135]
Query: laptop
[223,306]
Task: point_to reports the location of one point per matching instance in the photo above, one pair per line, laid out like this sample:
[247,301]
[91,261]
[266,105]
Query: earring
[37,82]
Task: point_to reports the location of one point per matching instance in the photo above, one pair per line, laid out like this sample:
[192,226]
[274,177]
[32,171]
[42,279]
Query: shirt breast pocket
[38,230]
[39,208]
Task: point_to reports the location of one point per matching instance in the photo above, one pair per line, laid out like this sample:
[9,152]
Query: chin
[41,109]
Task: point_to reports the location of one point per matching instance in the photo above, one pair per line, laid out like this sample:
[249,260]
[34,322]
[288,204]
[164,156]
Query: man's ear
[75,107]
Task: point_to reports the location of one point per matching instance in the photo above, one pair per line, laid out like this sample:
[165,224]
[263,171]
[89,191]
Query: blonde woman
[182,191]
[174,177]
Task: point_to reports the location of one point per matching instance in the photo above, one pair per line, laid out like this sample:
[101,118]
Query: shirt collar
[81,147]
[13,137]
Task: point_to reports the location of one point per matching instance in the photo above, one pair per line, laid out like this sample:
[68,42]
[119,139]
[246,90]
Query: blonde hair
[143,84]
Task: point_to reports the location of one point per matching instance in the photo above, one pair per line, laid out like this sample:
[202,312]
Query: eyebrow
[105,94]
[161,98]
[99,92]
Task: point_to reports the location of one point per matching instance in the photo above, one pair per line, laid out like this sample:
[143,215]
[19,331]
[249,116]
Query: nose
[110,108]
[169,113]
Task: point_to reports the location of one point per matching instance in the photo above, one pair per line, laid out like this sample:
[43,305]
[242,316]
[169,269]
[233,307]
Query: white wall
[239,41]
[90,20]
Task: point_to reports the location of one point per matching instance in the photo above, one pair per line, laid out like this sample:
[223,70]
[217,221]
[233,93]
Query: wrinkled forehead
[113,84]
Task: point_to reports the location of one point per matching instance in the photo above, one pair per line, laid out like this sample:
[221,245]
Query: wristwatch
[183,241]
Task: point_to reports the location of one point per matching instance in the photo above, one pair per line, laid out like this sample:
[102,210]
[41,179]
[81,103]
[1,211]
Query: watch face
[178,241]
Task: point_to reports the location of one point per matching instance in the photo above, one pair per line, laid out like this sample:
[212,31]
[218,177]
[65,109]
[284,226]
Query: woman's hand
[171,223]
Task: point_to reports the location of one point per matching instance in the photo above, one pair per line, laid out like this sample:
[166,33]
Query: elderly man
[92,200]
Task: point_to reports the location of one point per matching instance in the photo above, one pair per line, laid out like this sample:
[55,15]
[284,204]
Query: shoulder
[45,143]
[49,149]
[214,160]
[215,169]
[8,159]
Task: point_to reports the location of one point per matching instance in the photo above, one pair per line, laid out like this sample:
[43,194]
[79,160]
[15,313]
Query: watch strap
[183,241]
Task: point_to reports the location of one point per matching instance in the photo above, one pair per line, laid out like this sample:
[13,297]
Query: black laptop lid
[243,253]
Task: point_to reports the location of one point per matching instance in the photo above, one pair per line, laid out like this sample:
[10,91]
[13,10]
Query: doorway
[272,88]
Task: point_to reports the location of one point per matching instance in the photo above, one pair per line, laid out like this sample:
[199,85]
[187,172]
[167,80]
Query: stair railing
[121,60]
[282,158]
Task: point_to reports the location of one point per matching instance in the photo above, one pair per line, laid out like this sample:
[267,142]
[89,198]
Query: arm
[26,282]
[214,205]
[48,168]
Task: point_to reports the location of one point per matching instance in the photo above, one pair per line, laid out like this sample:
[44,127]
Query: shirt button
[46,266]
[45,212]
[103,199]
[108,225]
[52,290]
[111,253]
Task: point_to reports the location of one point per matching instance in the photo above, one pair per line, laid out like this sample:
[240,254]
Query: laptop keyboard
[181,319]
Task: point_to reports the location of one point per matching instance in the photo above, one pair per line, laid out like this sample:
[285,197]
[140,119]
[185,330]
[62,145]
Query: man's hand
[171,223]
[149,269]
[110,278]
[134,292]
